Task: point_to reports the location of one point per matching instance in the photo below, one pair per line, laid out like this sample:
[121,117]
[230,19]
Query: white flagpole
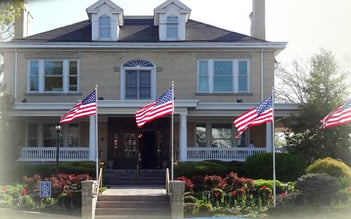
[96,135]
[273,138]
[172,134]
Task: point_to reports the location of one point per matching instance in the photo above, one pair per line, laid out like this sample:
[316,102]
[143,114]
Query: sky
[306,25]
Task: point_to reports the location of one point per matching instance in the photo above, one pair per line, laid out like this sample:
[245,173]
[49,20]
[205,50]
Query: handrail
[167,181]
[100,181]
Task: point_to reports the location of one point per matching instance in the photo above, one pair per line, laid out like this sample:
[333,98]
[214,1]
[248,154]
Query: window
[223,76]
[50,135]
[73,135]
[172,27]
[45,135]
[200,135]
[213,135]
[221,135]
[32,135]
[53,76]
[138,80]
[104,27]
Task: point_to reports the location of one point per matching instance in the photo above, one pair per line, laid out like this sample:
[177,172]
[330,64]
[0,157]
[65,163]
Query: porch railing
[225,154]
[49,154]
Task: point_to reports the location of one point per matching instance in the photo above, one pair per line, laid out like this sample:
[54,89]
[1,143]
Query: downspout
[15,78]
[261,73]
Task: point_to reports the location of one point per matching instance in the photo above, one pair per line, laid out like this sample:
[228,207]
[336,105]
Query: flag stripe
[258,115]
[159,108]
[86,107]
[339,116]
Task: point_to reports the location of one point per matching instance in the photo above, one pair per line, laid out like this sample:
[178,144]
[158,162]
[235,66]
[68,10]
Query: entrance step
[131,177]
[152,205]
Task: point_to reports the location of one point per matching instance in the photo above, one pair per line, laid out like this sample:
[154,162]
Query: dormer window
[106,19]
[172,27]
[171,18]
[104,27]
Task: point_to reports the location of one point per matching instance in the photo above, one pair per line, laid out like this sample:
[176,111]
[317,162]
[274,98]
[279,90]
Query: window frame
[209,83]
[41,76]
[138,65]
[105,27]
[172,28]
[208,126]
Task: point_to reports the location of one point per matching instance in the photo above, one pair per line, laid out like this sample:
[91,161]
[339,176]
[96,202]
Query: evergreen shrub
[318,188]
[288,166]
[331,167]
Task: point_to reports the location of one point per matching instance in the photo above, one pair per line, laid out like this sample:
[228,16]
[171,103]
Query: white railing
[49,154]
[225,154]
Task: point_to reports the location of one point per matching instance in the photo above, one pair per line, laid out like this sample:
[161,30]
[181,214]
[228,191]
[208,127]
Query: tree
[290,83]
[323,91]
[9,11]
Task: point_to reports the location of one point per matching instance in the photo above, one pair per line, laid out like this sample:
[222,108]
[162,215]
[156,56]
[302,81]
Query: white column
[269,143]
[183,137]
[92,140]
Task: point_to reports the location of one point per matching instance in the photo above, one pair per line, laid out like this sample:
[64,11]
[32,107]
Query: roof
[140,29]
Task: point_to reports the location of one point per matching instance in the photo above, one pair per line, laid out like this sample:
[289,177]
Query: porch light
[58,132]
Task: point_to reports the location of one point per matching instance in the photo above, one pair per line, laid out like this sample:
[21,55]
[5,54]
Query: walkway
[135,190]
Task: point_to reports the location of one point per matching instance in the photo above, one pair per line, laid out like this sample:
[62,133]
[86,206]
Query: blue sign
[45,189]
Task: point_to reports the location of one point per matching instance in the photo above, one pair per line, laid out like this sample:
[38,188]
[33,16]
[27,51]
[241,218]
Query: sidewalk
[19,214]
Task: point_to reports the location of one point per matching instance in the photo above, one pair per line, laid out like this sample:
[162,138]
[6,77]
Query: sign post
[45,189]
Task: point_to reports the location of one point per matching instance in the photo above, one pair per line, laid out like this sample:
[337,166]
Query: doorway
[132,148]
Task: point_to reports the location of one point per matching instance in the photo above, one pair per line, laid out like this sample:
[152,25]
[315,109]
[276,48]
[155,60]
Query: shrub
[288,166]
[189,185]
[213,181]
[201,168]
[331,167]
[233,182]
[318,188]
[259,183]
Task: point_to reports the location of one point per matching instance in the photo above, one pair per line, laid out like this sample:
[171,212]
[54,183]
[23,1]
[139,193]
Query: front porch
[48,154]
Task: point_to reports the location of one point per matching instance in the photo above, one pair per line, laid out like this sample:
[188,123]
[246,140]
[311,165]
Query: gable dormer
[171,17]
[106,18]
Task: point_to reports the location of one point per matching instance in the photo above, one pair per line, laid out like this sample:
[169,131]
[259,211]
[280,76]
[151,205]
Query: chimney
[258,21]
[23,23]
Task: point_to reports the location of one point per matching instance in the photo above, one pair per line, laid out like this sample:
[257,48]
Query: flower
[234,192]
[264,187]
[216,194]
[4,188]
[24,191]
[283,195]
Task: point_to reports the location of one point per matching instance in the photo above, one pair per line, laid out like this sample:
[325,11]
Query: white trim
[158,45]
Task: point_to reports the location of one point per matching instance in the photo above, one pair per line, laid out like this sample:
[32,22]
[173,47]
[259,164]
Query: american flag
[160,107]
[85,107]
[258,115]
[339,116]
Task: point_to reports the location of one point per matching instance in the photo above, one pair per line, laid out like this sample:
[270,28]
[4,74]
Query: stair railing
[167,181]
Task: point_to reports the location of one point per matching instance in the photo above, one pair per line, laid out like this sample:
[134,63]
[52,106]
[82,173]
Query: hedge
[288,166]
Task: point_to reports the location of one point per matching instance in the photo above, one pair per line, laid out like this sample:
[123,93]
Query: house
[218,75]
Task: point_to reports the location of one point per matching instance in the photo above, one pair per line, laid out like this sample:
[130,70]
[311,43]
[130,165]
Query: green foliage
[16,196]
[259,183]
[201,168]
[9,11]
[288,166]
[48,169]
[324,91]
[331,167]
[318,188]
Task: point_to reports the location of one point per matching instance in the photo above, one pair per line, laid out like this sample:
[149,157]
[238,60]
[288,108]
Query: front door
[132,148]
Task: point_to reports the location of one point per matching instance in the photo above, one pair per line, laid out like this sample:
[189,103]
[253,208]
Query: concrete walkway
[135,190]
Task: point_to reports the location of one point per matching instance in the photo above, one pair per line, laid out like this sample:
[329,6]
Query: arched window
[138,80]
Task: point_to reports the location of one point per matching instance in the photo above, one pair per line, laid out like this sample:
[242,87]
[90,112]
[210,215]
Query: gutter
[134,45]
